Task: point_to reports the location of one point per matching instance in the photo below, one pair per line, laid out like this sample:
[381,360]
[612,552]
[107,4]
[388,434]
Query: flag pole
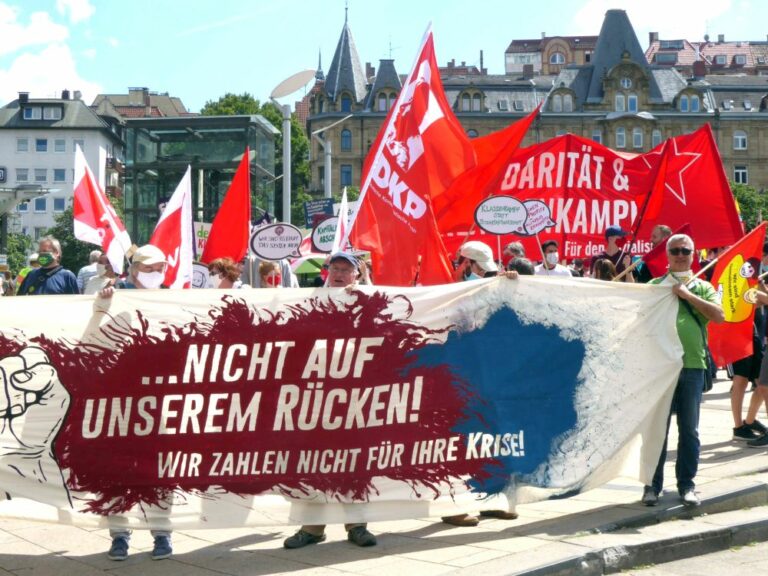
[627,270]
[700,272]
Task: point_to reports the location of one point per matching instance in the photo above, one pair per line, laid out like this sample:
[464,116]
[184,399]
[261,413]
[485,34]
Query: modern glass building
[158,150]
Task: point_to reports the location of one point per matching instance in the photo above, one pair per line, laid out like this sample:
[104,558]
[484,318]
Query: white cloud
[78,10]
[89,53]
[114,42]
[41,30]
[45,74]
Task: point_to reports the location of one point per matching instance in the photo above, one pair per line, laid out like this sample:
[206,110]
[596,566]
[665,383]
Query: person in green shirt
[698,305]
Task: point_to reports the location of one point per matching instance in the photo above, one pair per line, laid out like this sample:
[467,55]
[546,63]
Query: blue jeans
[685,403]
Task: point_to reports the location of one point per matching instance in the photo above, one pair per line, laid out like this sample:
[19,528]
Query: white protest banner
[209,408]
[276,241]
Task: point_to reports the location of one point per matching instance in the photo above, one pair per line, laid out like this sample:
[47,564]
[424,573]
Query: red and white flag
[342,228]
[95,220]
[231,227]
[417,155]
[174,235]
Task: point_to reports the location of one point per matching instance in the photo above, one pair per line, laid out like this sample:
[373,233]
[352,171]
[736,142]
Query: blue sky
[201,50]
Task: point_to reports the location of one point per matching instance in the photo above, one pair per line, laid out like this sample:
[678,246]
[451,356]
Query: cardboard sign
[276,241]
[323,235]
[501,215]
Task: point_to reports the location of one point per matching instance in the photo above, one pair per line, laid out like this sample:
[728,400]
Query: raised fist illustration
[33,404]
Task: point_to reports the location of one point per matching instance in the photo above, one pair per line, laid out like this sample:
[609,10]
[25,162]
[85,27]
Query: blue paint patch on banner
[515,373]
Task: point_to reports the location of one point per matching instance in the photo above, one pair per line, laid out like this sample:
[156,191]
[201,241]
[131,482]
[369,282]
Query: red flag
[735,273]
[95,220]
[696,191]
[419,152]
[473,186]
[656,259]
[231,227]
[174,235]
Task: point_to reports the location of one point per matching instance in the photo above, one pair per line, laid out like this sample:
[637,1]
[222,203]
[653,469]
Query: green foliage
[753,204]
[232,104]
[353,193]
[19,246]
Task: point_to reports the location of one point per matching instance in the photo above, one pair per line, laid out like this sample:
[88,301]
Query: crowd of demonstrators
[698,304]
[551,265]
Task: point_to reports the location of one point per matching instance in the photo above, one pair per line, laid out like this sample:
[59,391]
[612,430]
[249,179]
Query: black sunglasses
[678,251]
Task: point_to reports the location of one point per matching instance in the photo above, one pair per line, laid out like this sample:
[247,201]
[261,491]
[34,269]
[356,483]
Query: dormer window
[382,107]
[557,58]
[740,59]
[471,102]
[52,113]
[720,59]
[626,83]
[33,113]
[346,103]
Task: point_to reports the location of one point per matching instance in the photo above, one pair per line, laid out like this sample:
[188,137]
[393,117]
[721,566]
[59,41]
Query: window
[466,103]
[22,174]
[33,113]
[59,175]
[557,58]
[567,103]
[41,204]
[346,104]
[503,105]
[557,103]
[346,140]
[740,59]
[727,104]
[620,107]
[747,105]
[621,138]
[22,145]
[52,113]
[77,142]
[59,204]
[476,103]
[23,207]
[739,140]
[655,138]
[597,136]
[720,60]
[632,103]
[382,103]
[346,175]
[41,175]
[666,59]
[740,175]
[626,83]
[41,145]
[40,232]
[671,45]
[637,138]
[59,145]
[683,103]
[472,133]
[695,103]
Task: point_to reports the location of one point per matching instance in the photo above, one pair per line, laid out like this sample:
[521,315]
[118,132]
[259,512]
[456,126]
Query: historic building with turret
[606,88]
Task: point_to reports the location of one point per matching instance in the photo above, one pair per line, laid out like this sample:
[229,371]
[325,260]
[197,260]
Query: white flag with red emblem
[174,235]
[96,221]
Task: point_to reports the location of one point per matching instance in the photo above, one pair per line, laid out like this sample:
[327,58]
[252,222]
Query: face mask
[214,281]
[274,280]
[553,258]
[45,259]
[101,269]
[150,279]
[472,276]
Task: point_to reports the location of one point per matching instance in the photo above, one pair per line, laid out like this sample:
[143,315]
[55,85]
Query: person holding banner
[51,277]
[698,304]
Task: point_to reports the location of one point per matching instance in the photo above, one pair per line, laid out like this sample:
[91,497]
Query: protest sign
[276,241]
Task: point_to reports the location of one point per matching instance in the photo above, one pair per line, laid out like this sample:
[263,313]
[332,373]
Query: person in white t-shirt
[551,265]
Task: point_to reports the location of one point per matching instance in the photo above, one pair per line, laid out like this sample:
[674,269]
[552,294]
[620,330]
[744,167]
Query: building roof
[75,114]
[140,103]
[346,73]
[536,45]
[386,77]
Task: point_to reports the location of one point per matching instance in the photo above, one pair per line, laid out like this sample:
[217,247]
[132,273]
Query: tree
[234,104]
[19,246]
[753,204]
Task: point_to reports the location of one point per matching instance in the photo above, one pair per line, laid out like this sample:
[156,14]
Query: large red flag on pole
[174,235]
[420,150]
[231,227]
[735,273]
[95,220]
[656,259]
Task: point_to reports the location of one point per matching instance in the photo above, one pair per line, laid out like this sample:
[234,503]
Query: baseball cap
[344,256]
[481,253]
[148,255]
[614,231]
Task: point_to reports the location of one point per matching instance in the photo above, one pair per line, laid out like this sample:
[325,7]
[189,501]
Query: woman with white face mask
[147,271]
[224,273]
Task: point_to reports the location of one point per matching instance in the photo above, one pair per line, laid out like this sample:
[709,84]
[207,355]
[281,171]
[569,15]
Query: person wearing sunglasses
[698,304]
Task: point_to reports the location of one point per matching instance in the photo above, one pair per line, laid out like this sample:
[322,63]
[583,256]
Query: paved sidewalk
[601,531]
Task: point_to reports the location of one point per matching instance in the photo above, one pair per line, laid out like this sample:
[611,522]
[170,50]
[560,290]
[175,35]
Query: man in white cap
[475,261]
[147,268]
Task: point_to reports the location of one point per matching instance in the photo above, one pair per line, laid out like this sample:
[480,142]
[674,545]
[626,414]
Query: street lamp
[285,88]
[326,144]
